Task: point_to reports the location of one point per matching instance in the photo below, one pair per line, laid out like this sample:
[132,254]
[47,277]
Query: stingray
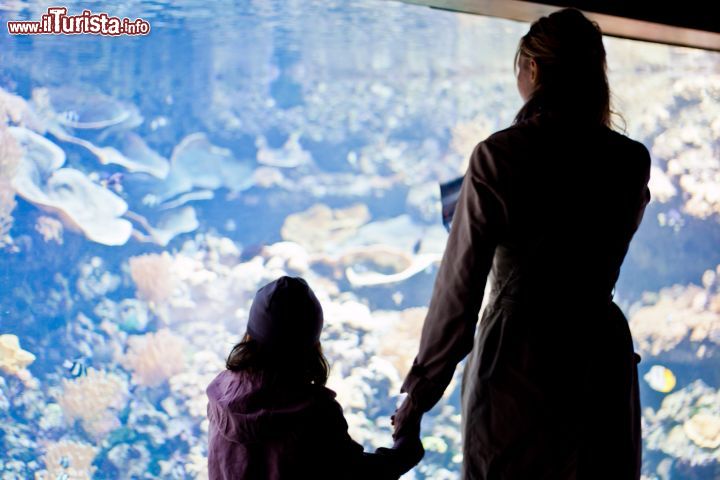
[82,205]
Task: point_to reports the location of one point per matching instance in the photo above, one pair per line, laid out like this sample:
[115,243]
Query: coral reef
[94,399]
[155,357]
[153,276]
[687,425]
[681,323]
[82,205]
[68,459]
[50,229]
[349,164]
[13,359]
[320,228]
[10,157]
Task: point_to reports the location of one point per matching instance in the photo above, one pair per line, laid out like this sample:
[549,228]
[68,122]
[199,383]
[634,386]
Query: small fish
[113,181]
[76,367]
[660,379]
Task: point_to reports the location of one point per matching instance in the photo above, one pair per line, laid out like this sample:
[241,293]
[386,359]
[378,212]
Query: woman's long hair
[289,365]
[571,69]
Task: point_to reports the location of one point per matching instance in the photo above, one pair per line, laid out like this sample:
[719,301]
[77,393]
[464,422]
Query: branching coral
[68,459]
[683,324]
[94,399]
[50,228]
[155,357]
[687,425]
[153,276]
[688,147]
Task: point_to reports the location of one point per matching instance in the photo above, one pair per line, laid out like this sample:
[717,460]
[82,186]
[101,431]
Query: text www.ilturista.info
[57,21]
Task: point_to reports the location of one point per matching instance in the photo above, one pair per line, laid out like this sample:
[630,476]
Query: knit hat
[286,313]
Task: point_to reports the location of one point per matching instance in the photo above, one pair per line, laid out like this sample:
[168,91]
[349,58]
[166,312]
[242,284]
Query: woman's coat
[546,213]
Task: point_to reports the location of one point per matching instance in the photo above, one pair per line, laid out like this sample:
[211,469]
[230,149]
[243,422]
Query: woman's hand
[406,420]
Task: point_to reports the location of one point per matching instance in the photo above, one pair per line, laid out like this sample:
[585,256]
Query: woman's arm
[479,223]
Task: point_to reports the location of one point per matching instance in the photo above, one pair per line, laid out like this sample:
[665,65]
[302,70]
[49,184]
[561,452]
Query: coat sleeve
[346,458]
[479,224]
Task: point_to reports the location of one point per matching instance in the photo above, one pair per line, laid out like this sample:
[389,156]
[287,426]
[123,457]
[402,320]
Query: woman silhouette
[547,208]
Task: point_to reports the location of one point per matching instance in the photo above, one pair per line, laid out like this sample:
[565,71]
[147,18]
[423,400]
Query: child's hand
[406,420]
[407,451]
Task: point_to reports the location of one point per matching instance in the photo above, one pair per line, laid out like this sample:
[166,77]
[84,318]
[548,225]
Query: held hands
[405,453]
[406,420]
[407,450]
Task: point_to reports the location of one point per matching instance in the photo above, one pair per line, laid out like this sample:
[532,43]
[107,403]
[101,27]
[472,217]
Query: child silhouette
[270,414]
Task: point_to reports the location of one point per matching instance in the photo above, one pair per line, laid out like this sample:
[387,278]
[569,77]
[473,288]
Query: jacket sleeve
[346,458]
[479,224]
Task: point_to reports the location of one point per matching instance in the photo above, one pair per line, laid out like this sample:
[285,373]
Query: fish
[660,379]
[112,181]
[76,367]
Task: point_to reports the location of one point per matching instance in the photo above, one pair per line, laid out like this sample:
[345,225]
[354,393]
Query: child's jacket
[299,432]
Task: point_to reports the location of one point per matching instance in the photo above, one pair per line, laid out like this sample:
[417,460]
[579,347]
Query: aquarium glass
[149,184]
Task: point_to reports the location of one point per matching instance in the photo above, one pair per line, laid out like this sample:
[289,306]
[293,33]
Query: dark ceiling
[691,23]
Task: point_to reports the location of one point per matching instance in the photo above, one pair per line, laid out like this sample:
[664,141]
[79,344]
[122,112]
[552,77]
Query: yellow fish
[660,379]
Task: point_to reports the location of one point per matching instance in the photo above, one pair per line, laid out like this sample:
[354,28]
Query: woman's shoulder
[629,143]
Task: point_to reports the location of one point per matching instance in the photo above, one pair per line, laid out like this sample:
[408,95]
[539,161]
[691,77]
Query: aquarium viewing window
[150,183]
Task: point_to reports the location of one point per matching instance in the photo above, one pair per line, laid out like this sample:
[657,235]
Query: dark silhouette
[547,209]
[271,416]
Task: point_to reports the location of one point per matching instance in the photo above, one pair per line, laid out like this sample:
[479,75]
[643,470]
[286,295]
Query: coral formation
[68,459]
[10,157]
[687,425]
[13,359]
[320,228]
[83,206]
[94,399]
[153,276]
[50,229]
[155,357]
[682,323]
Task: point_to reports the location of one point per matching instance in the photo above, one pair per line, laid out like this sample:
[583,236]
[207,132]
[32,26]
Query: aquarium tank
[150,183]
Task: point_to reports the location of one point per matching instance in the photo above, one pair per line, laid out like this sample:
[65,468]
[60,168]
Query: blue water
[383,100]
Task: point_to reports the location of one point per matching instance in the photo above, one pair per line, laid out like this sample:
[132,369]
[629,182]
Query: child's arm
[348,455]
[396,461]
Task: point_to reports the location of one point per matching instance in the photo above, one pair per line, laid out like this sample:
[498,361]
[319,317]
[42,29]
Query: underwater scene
[150,184]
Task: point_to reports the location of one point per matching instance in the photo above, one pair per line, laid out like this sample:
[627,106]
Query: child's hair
[306,365]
